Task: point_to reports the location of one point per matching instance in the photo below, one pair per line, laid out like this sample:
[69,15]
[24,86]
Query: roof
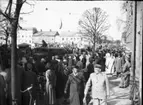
[46,33]
[23,45]
[68,34]
[27,28]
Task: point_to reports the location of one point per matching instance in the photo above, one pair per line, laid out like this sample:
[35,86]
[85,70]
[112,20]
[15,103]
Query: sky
[48,15]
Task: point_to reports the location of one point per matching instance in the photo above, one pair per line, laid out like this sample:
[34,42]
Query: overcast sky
[69,12]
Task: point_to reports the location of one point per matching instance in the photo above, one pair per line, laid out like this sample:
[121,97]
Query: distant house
[47,36]
[24,36]
[68,37]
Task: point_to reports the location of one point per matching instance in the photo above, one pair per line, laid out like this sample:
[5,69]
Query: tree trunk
[6,40]
[13,59]
[14,25]
[94,43]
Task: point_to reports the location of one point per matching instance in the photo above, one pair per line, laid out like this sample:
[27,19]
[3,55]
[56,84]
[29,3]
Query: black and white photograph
[71,52]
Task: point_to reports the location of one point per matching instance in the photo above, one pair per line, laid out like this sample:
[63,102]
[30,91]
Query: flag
[61,25]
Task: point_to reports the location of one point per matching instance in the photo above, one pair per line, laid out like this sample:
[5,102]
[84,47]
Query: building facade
[25,36]
[47,36]
[128,38]
[134,35]
[68,38]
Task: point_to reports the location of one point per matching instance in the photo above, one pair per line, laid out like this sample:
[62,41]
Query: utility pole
[133,61]
[141,66]
[134,41]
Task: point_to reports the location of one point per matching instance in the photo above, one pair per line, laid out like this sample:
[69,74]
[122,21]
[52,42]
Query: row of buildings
[26,35]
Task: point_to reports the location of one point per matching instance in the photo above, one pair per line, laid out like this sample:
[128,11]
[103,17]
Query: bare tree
[122,23]
[11,14]
[93,25]
[4,31]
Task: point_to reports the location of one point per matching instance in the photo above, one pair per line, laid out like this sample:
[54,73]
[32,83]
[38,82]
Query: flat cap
[97,66]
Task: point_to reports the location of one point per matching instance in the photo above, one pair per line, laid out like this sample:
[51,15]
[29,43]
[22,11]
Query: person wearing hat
[99,85]
[76,83]
[29,77]
[90,68]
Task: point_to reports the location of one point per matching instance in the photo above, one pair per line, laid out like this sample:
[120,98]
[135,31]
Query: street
[39,50]
[118,96]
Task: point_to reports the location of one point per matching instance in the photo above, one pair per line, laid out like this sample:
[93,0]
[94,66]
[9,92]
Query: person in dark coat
[84,61]
[19,85]
[60,80]
[2,91]
[40,67]
[76,83]
[118,64]
[79,63]
[90,68]
[32,61]
[30,78]
[70,62]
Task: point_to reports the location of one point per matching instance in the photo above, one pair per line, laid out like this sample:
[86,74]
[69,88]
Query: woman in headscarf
[50,96]
[125,76]
[76,83]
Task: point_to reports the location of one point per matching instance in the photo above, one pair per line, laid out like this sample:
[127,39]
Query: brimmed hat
[97,66]
[75,66]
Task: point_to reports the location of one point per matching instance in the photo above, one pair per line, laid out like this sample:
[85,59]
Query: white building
[25,36]
[47,36]
[67,37]
[64,37]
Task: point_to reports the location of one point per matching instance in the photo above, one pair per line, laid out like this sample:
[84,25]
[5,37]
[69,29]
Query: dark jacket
[2,91]
[29,78]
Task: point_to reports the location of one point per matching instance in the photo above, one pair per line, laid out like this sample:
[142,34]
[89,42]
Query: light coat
[99,86]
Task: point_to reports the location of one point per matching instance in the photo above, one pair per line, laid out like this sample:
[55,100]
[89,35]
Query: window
[71,38]
[62,38]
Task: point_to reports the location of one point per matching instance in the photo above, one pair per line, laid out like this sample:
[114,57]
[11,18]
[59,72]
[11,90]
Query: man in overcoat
[99,85]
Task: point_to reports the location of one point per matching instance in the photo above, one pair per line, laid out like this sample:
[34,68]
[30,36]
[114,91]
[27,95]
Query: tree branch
[27,12]
[94,24]
[5,15]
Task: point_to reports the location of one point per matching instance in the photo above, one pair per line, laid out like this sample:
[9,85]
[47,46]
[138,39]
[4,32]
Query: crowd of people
[80,77]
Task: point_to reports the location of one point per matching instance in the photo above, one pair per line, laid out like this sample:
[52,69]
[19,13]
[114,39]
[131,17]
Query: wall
[130,25]
[139,33]
[24,36]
